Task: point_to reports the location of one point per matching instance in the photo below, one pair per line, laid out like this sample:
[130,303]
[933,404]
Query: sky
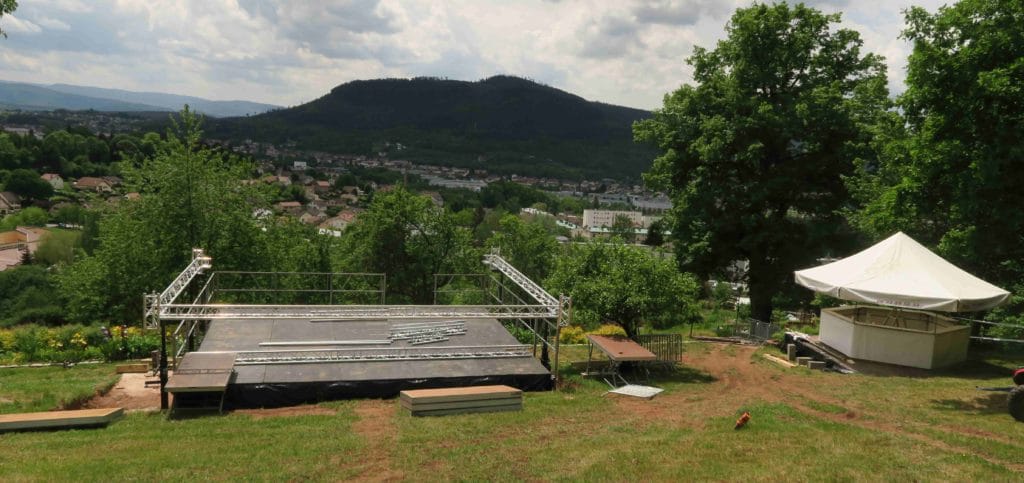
[289,52]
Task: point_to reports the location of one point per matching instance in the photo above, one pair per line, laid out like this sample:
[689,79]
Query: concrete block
[802,361]
[818,365]
[791,352]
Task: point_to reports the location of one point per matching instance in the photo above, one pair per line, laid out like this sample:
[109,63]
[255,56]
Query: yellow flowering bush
[609,330]
[572,335]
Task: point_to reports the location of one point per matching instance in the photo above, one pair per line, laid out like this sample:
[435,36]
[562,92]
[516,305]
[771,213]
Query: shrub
[573,334]
[609,330]
[74,343]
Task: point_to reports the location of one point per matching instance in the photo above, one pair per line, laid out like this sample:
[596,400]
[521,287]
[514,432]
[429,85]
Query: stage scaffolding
[504,293]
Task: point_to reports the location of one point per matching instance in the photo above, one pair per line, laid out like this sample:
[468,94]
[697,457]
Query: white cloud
[629,52]
[52,24]
[14,24]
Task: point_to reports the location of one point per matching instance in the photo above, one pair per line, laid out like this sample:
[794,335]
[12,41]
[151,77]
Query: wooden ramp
[59,419]
[458,400]
[201,381]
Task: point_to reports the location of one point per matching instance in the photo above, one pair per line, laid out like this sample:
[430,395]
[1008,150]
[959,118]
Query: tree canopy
[623,284]
[754,154]
[7,6]
[404,236]
[951,172]
[191,197]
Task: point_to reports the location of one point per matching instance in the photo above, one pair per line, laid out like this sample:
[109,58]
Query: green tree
[28,295]
[58,247]
[613,282]
[27,184]
[950,173]
[410,240]
[655,235]
[754,154]
[192,197]
[528,246]
[622,227]
[7,6]
[31,216]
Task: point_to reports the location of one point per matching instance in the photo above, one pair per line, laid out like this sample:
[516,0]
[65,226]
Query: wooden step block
[460,394]
[455,400]
[461,404]
[446,412]
[59,419]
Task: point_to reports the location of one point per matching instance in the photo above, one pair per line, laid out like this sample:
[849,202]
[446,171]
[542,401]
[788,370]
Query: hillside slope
[503,124]
[30,97]
[171,102]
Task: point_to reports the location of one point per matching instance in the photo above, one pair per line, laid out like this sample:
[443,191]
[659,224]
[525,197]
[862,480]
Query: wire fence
[668,347]
[752,329]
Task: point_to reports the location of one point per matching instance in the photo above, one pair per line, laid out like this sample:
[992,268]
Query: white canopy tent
[900,272]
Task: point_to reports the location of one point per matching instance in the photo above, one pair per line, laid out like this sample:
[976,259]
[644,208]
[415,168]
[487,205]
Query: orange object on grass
[742,420]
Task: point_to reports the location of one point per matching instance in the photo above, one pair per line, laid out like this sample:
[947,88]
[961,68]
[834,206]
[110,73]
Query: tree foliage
[951,174]
[526,245]
[406,237]
[626,285]
[27,184]
[754,154]
[7,6]
[191,197]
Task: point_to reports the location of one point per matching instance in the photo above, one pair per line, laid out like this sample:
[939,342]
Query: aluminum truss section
[320,356]
[427,333]
[342,313]
[495,261]
[200,263]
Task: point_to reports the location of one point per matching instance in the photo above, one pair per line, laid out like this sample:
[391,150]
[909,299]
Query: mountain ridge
[42,97]
[504,124]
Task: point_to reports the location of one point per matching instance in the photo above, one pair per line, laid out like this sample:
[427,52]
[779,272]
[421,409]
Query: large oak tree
[754,153]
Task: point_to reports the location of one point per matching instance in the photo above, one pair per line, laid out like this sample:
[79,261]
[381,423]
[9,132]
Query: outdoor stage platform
[283,362]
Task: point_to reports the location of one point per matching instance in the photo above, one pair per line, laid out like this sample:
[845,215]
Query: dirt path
[130,393]
[376,425]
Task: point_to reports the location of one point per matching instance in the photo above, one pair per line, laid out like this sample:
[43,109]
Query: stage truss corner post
[563,320]
[153,319]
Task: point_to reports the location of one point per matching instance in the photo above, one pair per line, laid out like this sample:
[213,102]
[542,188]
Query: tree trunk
[761,286]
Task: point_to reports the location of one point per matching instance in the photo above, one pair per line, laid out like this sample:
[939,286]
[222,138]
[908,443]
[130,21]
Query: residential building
[54,179]
[606,218]
[88,183]
[290,207]
[9,202]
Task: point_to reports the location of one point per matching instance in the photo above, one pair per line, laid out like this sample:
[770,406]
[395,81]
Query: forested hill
[503,124]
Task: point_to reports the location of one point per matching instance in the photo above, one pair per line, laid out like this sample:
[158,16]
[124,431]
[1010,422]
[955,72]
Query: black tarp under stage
[285,362]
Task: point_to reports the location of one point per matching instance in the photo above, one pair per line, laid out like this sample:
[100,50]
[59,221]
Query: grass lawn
[805,426]
[33,389]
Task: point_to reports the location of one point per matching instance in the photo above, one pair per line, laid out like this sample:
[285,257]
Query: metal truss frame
[546,311]
[321,356]
[341,313]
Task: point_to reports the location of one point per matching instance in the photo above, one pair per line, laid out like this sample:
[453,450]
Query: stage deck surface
[280,384]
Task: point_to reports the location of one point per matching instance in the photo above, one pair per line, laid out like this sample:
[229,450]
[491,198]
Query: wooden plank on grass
[460,394]
[59,419]
[778,360]
[132,368]
[489,409]
[461,404]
